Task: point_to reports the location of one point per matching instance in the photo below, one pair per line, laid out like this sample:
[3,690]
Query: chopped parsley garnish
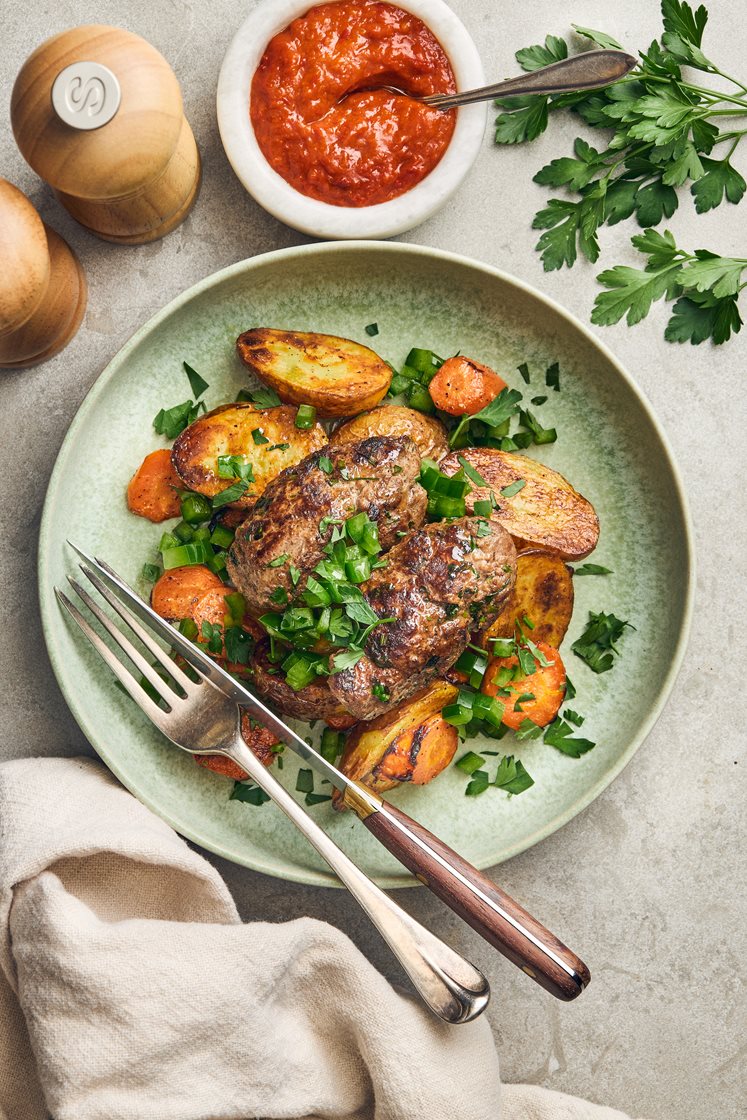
[596,646]
[258,437]
[479,783]
[552,377]
[513,488]
[151,572]
[197,384]
[512,776]
[325,464]
[470,762]
[230,494]
[279,447]
[239,645]
[329,607]
[372,329]
[235,466]
[305,781]
[524,371]
[263,398]
[278,561]
[249,794]
[472,474]
[170,422]
[540,435]
[592,570]
[380,691]
[560,735]
[500,409]
[213,635]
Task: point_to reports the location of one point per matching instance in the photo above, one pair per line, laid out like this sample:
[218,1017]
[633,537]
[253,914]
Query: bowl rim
[310,215]
[48,605]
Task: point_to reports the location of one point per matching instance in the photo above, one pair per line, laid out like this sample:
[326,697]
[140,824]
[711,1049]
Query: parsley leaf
[560,735]
[596,646]
[665,133]
[512,775]
[719,178]
[592,570]
[197,384]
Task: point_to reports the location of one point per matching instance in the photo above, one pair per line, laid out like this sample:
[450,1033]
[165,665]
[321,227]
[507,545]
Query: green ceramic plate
[609,445]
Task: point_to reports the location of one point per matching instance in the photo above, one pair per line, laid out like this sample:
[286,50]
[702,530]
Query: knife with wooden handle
[469,893]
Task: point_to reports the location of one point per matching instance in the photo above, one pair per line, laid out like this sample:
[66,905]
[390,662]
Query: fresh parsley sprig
[705,286]
[665,132]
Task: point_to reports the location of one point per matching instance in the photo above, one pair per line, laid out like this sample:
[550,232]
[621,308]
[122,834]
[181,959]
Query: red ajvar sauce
[374,145]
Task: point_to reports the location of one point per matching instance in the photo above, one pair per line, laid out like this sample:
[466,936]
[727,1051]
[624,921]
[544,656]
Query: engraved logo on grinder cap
[85,95]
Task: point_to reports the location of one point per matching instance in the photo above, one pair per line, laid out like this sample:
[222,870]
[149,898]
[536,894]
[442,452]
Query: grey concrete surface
[650,880]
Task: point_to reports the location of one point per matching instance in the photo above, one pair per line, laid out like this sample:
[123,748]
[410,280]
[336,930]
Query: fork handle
[479,902]
[450,985]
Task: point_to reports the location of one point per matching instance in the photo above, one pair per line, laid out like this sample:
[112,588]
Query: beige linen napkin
[130,990]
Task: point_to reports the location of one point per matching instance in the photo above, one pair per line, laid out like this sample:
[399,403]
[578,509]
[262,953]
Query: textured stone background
[649,882]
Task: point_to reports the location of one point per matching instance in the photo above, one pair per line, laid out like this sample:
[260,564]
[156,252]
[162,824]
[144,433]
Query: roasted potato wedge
[411,743]
[427,433]
[335,375]
[228,431]
[545,513]
[543,593]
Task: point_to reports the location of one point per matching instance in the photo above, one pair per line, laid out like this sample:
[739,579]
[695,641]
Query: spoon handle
[588,70]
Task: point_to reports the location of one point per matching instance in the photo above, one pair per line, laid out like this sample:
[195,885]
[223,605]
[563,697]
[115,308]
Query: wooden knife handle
[485,907]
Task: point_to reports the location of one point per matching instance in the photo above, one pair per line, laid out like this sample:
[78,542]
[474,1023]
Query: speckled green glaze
[609,445]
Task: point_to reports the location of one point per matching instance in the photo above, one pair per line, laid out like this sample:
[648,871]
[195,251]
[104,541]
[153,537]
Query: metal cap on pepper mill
[97,112]
[42,286]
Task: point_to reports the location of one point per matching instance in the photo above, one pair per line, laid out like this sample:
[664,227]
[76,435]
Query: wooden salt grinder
[42,286]
[97,112]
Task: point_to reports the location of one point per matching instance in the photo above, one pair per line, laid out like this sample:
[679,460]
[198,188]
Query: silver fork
[203,720]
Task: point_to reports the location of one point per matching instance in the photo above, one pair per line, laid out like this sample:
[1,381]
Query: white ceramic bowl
[320,219]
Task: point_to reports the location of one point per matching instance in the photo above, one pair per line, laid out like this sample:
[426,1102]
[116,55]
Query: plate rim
[47,601]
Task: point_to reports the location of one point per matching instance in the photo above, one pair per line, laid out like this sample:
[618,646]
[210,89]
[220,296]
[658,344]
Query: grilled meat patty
[315,701]
[290,523]
[440,584]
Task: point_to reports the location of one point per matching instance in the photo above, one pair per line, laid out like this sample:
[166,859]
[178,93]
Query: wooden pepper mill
[42,285]
[97,112]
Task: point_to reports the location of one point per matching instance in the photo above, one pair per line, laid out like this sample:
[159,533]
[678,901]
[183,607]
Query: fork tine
[162,687]
[125,678]
[161,655]
[199,661]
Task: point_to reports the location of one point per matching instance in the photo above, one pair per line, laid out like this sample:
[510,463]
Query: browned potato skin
[313,702]
[228,431]
[337,376]
[546,513]
[428,434]
[543,593]
[411,743]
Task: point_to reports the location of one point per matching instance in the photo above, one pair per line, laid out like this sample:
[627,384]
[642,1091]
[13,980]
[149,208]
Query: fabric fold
[130,990]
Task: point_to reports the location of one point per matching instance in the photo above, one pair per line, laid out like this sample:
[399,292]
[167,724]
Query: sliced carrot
[463,386]
[177,592]
[152,491]
[258,738]
[546,685]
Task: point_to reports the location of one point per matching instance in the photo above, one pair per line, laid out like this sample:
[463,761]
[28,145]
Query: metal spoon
[588,70]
